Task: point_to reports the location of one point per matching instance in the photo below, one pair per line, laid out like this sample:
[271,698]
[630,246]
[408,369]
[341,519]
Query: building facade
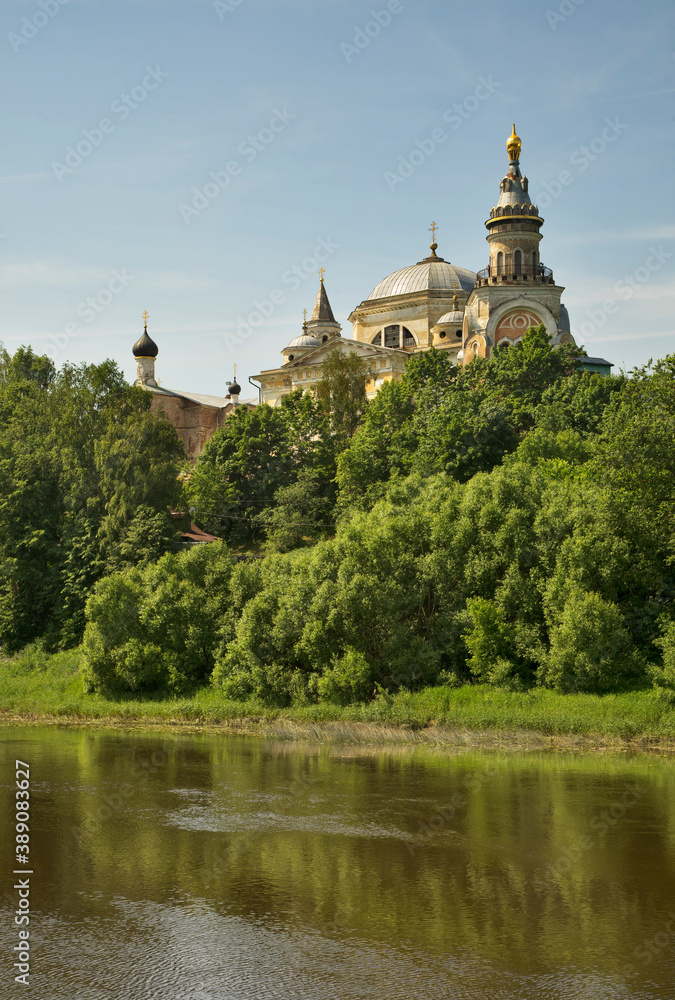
[195,416]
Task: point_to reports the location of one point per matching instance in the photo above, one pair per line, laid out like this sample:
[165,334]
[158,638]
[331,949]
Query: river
[171,866]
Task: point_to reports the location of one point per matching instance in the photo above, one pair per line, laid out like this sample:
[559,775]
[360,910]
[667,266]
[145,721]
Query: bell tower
[515,291]
[514,224]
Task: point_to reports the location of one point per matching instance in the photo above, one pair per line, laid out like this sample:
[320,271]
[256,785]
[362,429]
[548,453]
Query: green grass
[36,686]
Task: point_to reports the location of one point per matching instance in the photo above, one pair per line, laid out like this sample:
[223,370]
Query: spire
[513,188]
[322,311]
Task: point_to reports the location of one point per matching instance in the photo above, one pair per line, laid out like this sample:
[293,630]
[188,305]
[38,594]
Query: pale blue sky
[202,80]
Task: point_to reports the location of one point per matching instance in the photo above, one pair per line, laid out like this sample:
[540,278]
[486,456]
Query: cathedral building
[432,303]
[435,303]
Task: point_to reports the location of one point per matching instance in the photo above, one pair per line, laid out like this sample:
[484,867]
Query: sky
[202,160]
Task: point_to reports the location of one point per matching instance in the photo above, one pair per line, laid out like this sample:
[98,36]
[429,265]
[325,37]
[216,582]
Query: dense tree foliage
[87,475]
[269,472]
[510,522]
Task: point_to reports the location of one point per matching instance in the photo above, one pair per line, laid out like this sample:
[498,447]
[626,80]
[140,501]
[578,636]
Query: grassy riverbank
[37,687]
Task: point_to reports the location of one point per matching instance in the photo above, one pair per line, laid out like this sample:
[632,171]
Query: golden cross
[432,229]
[235,373]
[146,316]
[322,271]
[304,313]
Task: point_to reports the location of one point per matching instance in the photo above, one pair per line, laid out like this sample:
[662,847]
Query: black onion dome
[234,389]
[145,347]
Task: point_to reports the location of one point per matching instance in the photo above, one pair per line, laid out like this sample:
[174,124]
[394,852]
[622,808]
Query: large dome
[431,274]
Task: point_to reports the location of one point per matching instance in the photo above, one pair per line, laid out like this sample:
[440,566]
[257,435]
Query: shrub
[492,643]
[591,649]
[663,676]
[350,678]
[159,627]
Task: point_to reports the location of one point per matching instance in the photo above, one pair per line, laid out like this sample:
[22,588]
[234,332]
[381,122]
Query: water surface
[199,867]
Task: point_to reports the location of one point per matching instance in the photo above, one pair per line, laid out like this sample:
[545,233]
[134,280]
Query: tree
[235,485]
[342,392]
[465,434]
[80,456]
[381,448]
[300,513]
[521,374]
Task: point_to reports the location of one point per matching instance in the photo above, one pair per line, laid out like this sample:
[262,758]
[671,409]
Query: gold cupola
[513,145]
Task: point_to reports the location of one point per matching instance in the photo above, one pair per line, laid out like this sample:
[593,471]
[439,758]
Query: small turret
[234,389]
[145,351]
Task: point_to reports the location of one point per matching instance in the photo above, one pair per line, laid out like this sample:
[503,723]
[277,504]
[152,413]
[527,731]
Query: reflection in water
[180,866]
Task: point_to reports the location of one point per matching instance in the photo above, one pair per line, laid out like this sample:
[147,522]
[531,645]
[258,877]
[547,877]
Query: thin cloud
[659,232]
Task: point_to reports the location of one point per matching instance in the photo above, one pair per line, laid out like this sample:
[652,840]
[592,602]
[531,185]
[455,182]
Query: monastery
[432,303]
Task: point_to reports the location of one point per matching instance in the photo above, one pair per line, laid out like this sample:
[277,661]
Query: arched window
[408,338]
[475,350]
[377,339]
[504,342]
[392,336]
[500,263]
[517,262]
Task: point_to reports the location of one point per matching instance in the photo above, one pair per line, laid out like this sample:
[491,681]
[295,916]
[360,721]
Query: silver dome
[428,274]
[304,340]
[451,318]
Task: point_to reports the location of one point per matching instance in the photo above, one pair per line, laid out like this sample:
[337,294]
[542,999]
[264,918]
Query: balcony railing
[511,272]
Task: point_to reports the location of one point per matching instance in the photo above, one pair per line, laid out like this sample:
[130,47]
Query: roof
[595,361]
[217,402]
[452,317]
[304,340]
[315,355]
[196,536]
[322,310]
[145,347]
[430,274]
